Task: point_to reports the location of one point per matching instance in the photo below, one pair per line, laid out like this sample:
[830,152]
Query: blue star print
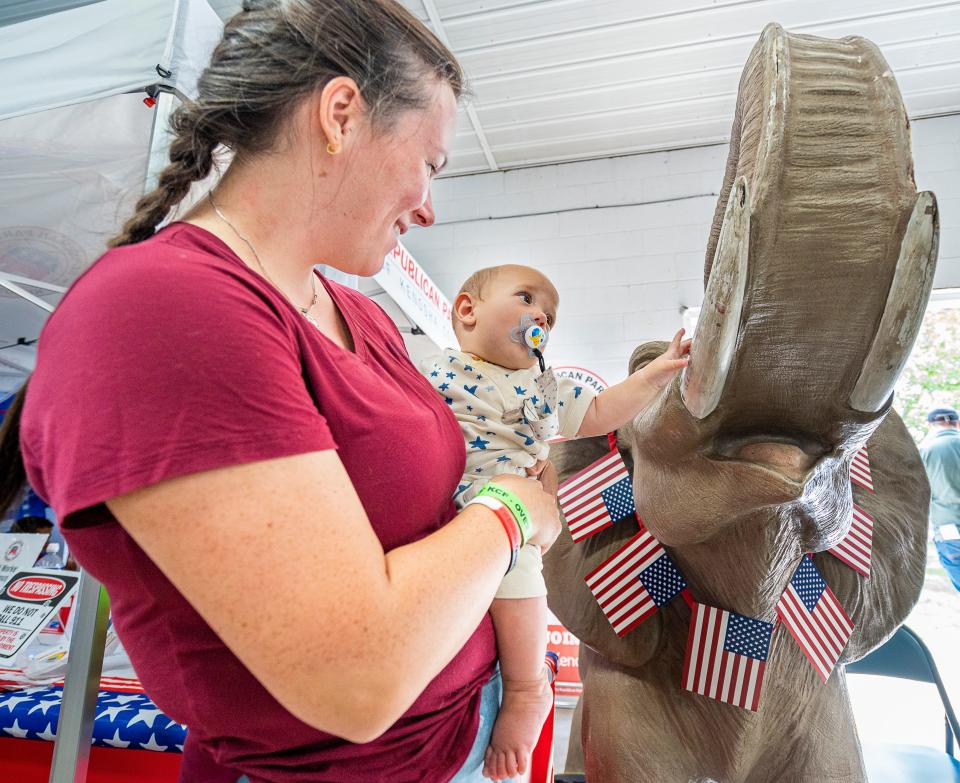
[443,386]
[451,375]
[448,400]
[471,389]
[529,440]
[481,418]
[503,458]
[546,408]
[467,368]
[561,403]
[534,399]
[434,374]
[452,358]
[519,390]
[478,443]
[469,407]
[577,391]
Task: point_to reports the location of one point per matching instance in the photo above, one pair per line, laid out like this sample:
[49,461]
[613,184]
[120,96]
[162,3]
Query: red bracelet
[509,522]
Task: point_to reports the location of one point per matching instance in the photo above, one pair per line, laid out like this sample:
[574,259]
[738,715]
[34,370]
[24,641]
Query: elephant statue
[818,269]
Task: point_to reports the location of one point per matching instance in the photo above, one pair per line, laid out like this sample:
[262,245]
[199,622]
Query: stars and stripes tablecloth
[122,720]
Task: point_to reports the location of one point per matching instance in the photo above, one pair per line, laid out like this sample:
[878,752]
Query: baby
[507,408]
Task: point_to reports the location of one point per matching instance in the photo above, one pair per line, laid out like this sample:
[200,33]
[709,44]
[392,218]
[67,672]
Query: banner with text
[413,290]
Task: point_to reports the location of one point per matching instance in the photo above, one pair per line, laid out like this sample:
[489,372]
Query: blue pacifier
[534,336]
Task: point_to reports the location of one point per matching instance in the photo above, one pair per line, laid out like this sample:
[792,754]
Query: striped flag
[635,581]
[814,617]
[726,656]
[860,469]
[597,496]
[856,547]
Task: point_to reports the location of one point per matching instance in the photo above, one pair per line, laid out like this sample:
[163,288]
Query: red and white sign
[27,603]
[417,295]
[567,647]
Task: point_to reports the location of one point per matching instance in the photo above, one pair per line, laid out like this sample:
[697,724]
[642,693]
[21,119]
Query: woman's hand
[541,505]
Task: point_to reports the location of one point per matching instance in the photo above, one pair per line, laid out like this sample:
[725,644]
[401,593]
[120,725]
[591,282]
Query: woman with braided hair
[240,449]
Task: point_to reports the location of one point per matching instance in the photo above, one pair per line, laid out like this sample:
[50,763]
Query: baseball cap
[943,414]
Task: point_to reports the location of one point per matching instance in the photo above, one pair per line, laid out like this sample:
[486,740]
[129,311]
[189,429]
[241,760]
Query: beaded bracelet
[508,521]
[513,503]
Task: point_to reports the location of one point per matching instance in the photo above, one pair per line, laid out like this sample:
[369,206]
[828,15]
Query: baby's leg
[521,627]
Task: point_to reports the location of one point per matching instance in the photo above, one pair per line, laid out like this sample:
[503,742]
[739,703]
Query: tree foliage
[931,378]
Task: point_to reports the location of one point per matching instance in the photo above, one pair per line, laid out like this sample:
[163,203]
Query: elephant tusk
[903,312]
[716,334]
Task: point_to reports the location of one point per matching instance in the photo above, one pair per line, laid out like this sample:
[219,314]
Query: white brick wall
[623,239]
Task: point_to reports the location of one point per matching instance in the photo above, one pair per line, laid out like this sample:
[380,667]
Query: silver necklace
[304,311]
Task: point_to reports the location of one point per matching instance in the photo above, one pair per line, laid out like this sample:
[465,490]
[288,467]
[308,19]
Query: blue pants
[949,553]
[490,699]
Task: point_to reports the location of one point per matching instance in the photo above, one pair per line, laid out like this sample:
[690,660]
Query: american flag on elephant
[726,656]
[857,545]
[860,469]
[814,617]
[635,581]
[597,496]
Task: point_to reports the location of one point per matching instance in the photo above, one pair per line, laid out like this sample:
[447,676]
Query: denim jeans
[490,698]
[949,553]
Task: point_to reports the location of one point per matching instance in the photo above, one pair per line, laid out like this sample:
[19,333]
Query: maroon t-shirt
[171,357]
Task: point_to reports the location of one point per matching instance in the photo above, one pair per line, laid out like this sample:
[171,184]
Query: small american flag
[860,470]
[597,496]
[856,547]
[634,582]
[814,617]
[726,656]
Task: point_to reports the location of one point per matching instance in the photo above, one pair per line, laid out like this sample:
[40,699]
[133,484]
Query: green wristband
[513,503]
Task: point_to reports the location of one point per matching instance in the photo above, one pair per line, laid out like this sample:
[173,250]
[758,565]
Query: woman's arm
[351,636]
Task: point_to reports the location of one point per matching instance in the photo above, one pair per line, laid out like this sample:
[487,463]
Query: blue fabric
[471,771]
[32,506]
[949,553]
[122,719]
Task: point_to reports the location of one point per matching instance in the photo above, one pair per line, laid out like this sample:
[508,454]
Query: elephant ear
[899,504]
[567,564]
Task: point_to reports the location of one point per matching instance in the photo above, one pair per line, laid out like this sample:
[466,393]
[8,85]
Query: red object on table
[28,761]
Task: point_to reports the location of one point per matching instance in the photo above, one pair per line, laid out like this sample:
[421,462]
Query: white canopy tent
[78,145]
[75,138]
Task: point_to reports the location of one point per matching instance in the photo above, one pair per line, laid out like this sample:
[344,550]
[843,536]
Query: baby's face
[514,293]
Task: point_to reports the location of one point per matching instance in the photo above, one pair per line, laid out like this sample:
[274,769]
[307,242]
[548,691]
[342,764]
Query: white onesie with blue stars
[505,424]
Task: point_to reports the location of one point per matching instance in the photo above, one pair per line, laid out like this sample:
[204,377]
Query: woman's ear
[464,310]
[340,110]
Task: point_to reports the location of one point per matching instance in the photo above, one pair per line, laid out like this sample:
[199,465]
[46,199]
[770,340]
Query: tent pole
[71,750]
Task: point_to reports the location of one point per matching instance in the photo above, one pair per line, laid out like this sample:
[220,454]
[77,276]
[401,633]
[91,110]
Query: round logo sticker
[581,375]
[13,551]
[36,588]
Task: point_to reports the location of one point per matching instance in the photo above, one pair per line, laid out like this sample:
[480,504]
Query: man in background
[941,458]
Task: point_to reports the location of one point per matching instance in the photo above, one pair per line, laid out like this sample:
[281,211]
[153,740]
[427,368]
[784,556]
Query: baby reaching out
[508,408]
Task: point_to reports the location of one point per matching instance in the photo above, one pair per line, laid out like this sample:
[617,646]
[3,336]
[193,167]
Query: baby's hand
[661,370]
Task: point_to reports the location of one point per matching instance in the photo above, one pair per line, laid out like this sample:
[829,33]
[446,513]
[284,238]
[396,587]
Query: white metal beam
[29,281]
[434,16]
[24,294]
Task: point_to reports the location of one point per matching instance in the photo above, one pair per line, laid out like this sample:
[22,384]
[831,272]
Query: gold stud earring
[332,149]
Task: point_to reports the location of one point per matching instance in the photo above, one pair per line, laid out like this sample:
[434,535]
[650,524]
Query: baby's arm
[619,404]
